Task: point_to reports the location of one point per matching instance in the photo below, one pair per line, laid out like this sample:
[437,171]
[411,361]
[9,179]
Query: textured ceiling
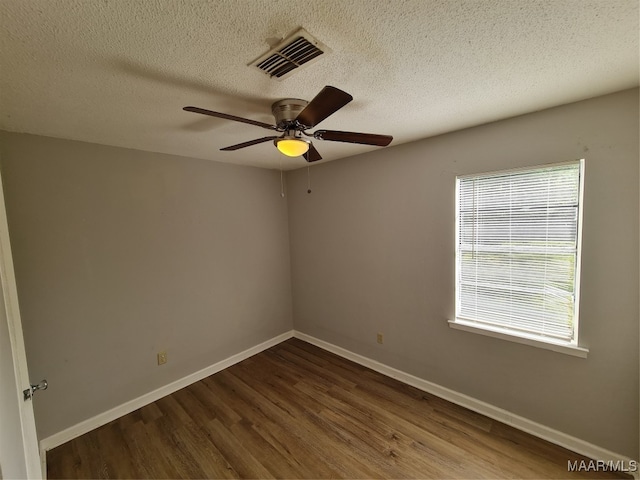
[118,72]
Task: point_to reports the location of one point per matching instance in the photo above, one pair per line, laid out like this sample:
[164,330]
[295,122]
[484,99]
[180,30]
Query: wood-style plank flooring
[296,411]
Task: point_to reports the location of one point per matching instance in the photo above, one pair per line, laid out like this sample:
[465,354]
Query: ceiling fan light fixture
[292,146]
[294,117]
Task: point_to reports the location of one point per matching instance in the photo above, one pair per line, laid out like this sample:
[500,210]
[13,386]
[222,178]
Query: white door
[19,452]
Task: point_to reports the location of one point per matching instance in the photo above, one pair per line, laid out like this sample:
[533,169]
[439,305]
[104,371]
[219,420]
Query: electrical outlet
[162,358]
[380,338]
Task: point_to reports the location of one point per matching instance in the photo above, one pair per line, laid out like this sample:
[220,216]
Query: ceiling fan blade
[353,137]
[226,116]
[327,102]
[312,154]
[249,143]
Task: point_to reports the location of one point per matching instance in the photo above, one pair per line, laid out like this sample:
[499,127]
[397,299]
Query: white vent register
[290,54]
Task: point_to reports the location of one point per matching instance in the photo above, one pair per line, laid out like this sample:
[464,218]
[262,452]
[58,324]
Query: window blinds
[518,250]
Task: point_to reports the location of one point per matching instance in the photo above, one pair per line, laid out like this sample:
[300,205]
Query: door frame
[33,461]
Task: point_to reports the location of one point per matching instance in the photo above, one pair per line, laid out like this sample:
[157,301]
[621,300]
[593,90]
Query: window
[518,253]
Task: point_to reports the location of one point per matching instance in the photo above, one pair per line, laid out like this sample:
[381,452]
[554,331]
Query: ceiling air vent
[290,54]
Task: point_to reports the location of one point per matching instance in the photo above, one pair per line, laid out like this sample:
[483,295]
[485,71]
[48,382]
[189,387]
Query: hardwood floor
[296,411]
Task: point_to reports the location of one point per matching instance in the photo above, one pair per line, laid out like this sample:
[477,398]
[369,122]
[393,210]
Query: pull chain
[308,180]
[281,184]
[281,178]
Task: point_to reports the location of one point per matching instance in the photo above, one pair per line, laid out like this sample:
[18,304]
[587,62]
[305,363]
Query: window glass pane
[517,249]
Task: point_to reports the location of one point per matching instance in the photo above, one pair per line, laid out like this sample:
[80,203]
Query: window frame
[571,347]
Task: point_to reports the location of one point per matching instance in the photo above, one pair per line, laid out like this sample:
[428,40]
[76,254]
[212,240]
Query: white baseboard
[86,426]
[536,429]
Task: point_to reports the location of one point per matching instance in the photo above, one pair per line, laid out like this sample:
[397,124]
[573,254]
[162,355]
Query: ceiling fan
[294,117]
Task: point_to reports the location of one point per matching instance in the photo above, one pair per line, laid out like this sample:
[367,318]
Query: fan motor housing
[287,110]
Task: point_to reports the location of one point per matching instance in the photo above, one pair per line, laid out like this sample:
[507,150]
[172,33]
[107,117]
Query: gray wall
[121,253]
[372,250]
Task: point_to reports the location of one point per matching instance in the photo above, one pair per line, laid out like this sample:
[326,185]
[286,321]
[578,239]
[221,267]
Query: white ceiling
[118,72]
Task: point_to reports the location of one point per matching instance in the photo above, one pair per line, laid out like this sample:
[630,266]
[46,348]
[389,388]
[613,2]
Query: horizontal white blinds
[517,249]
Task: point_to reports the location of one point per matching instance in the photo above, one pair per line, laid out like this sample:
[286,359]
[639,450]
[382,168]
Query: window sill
[497,332]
